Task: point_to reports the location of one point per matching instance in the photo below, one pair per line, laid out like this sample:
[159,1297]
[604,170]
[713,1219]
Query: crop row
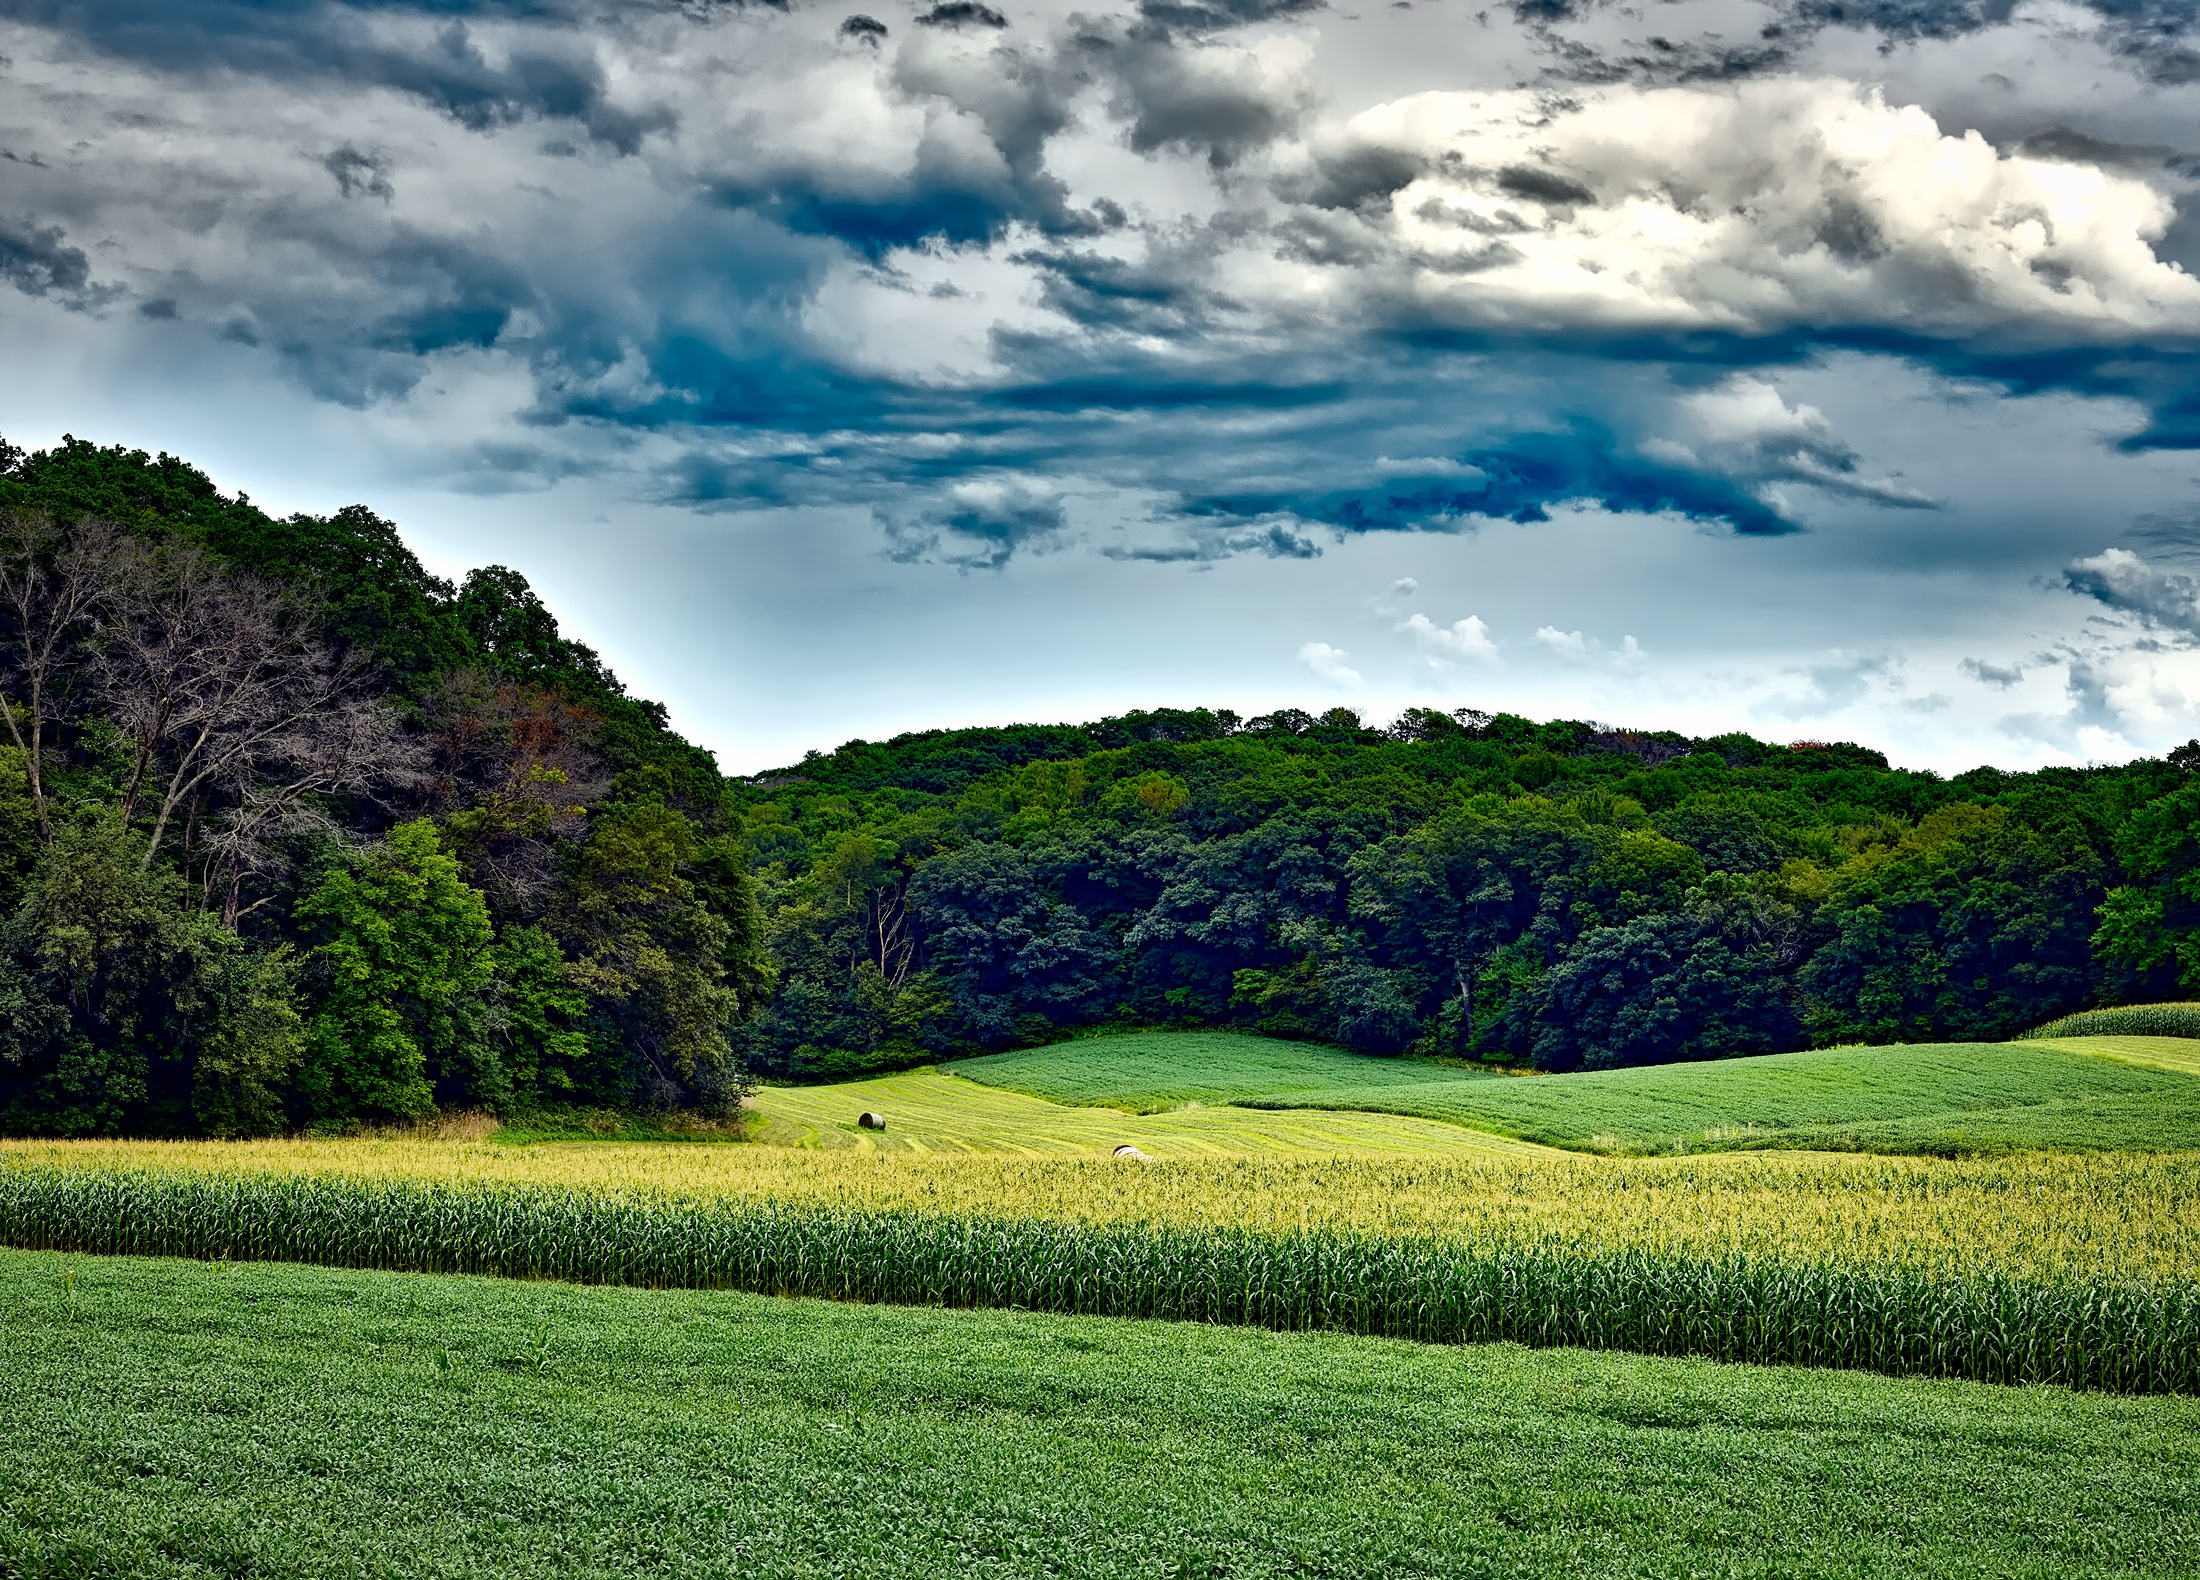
[2125,1020]
[2122,1335]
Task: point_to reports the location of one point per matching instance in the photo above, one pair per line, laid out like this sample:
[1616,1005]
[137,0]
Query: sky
[1824,369]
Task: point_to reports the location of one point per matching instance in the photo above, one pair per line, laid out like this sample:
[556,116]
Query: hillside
[2075,1094]
[422,850]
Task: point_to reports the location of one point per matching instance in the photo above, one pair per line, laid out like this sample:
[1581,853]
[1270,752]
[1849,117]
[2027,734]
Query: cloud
[1843,680]
[1329,663]
[1467,639]
[1568,645]
[38,261]
[360,174]
[984,523]
[753,257]
[2161,600]
[1753,209]
[2000,676]
[1745,429]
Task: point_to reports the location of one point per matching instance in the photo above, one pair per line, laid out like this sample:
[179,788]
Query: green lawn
[2127,1093]
[169,1418]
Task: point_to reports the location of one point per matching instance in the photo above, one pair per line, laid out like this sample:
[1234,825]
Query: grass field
[2117,1093]
[931,1111]
[279,1421]
[1149,1072]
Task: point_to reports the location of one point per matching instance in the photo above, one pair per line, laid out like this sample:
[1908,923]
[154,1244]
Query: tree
[124,1010]
[399,975]
[652,955]
[58,588]
[2149,931]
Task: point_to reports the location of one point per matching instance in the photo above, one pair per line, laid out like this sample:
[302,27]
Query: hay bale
[871,1121]
[1126,1150]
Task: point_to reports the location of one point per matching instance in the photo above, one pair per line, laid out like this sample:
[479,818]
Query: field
[2076,1094]
[2039,1216]
[931,1111]
[1150,1072]
[279,1421]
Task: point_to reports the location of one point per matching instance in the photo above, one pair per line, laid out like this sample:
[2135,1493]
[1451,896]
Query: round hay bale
[1126,1150]
[871,1121]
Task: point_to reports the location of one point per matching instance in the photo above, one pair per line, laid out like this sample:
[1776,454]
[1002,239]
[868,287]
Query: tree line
[1463,885]
[294,834]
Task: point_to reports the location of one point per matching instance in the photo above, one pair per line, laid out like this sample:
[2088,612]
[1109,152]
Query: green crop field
[1148,1072]
[931,1111]
[196,1420]
[2076,1094]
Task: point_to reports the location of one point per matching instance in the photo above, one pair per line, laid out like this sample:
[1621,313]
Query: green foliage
[586,932]
[196,1420]
[537,1015]
[400,969]
[249,1057]
[1563,894]
[113,990]
[654,955]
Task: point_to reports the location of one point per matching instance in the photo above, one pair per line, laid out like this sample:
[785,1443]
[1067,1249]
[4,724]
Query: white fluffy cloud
[1329,663]
[1462,639]
[1780,202]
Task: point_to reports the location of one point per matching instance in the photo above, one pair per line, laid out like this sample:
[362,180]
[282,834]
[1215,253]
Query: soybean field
[200,1419]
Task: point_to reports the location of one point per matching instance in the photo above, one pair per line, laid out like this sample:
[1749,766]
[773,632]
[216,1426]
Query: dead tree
[58,588]
[240,717]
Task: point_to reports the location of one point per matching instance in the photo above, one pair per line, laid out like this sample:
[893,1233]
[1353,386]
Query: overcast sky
[1818,369]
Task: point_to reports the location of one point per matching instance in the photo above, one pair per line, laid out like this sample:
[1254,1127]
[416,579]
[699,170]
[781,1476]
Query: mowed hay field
[934,1111]
[2073,1094]
[177,1419]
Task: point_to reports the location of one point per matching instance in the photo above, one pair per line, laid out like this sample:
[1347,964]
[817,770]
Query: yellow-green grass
[2120,1093]
[2041,1215]
[932,1111]
[2181,1054]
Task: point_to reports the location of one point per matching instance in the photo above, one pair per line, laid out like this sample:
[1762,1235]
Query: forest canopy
[294,834]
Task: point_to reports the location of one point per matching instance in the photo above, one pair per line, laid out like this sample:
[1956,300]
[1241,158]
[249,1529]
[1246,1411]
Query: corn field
[2118,1334]
[2033,1216]
[2129,1020]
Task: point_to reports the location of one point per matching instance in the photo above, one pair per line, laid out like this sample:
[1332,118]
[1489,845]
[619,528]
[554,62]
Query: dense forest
[1559,896]
[294,834]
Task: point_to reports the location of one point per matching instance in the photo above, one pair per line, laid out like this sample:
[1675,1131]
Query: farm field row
[2038,1215]
[286,1421]
[2073,1094]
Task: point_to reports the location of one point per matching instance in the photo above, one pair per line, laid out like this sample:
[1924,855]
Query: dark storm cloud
[426,50]
[2161,600]
[1520,480]
[360,174]
[962,13]
[38,261]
